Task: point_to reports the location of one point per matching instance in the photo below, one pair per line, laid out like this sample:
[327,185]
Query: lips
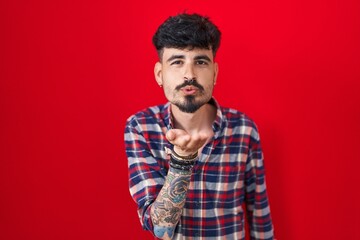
[189,90]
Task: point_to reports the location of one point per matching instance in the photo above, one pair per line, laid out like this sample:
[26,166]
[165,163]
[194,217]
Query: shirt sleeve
[257,205]
[146,177]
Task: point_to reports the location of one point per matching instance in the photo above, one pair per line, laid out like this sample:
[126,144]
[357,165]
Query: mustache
[190,83]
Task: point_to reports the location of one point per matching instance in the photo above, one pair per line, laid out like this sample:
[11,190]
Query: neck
[196,122]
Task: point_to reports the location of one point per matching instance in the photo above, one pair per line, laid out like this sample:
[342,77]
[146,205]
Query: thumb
[172,134]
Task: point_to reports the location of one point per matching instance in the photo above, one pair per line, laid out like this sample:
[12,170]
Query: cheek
[168,84]
[209,88]
[170,79]
[210,81]
[168,89]
[171,74]
[208,76]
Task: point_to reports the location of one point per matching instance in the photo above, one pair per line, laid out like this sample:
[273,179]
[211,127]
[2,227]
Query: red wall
[73,71]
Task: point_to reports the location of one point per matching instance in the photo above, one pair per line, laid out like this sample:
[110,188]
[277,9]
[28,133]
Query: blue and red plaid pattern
[228,175]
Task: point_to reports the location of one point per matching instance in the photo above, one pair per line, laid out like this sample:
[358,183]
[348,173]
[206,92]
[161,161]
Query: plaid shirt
[228,175]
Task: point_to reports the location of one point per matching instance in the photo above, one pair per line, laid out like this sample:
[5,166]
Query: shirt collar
[219,116]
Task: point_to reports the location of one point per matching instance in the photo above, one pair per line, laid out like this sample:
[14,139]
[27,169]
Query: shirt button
[197,204]
[196,234]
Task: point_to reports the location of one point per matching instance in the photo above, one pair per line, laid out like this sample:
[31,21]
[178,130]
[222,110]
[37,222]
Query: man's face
[187,76]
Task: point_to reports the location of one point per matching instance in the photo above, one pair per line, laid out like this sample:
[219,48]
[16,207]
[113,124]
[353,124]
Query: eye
[177,62]
[201,62]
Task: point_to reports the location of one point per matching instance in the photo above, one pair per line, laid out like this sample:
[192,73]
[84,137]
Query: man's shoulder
[235,117]
[148,114]
[239,123]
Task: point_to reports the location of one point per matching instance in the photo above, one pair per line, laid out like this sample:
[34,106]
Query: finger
[182,141]
[178,137]
[194,143]
[170,135]
[206,135]
[198,140]
[174,133]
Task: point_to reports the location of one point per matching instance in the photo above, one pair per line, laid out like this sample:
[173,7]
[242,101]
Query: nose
[189,74]
[190,81]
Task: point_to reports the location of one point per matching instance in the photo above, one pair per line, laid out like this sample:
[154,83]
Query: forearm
[167,208]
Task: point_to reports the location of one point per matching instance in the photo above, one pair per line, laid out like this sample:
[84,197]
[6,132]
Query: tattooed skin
[177,191]
[166,210]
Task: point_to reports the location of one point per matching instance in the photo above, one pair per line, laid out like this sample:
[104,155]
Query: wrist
[180,172]
[184,164]
[181,154]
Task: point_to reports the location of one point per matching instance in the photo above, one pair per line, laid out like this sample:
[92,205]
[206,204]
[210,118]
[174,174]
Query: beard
[190,105]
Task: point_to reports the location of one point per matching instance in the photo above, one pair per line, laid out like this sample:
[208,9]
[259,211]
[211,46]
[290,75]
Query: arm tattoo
[178,189]
[167,208]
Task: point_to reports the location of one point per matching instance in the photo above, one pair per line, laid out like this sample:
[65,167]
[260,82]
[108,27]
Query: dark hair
[187,30]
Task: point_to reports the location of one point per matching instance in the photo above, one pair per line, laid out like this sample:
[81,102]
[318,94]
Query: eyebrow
[175,57]
[179,56]
[202,57]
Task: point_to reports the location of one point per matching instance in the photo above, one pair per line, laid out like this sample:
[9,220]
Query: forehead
[187,53]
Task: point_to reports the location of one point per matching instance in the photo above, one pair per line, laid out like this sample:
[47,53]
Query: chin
[189,104]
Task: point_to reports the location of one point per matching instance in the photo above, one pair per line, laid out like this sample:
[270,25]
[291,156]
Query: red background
[73,71]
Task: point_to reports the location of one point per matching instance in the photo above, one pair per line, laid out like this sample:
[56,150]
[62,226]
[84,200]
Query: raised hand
[186,144]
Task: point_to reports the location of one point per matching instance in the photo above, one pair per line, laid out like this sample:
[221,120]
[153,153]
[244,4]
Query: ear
[216,70]
[158,73]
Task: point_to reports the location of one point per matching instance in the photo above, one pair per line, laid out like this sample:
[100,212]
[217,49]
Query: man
[192,163]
